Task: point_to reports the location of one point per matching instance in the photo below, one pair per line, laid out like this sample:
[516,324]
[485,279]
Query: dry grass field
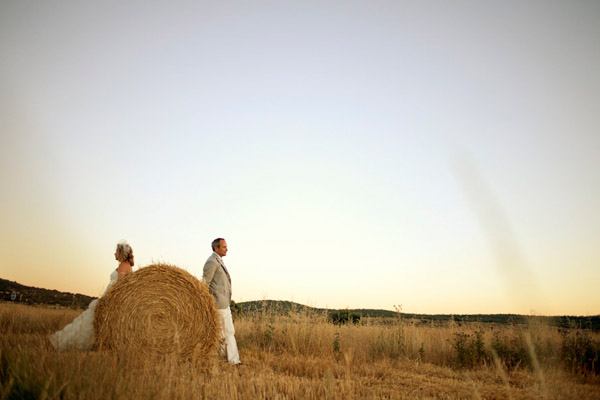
[304,356]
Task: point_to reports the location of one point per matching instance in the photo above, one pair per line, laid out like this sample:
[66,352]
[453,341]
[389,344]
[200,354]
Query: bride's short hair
[124,252]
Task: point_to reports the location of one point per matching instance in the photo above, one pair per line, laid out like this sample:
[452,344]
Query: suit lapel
[224,268]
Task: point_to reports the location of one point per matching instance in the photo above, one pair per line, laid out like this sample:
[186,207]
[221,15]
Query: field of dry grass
[304,356]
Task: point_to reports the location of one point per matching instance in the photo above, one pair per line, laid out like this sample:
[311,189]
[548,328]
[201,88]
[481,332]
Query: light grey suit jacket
[218,280]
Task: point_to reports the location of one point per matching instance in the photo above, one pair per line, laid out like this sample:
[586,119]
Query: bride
[79,334]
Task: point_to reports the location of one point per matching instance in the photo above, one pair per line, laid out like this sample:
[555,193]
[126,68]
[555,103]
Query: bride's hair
[124,252]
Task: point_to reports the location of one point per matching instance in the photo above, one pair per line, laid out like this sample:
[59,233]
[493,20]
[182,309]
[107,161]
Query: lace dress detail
[79,334]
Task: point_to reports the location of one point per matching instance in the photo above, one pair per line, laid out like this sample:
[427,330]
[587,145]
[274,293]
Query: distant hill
[33,295]
[13,291]
[285,307]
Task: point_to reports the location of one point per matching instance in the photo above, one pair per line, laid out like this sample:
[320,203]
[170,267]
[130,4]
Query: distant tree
[235,308]
[343,317]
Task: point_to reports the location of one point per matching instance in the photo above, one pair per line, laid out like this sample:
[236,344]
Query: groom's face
[222,248]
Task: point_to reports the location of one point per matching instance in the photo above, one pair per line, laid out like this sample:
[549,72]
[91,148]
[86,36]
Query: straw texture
[158,310]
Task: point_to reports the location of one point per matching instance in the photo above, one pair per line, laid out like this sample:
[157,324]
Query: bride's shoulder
[114,274]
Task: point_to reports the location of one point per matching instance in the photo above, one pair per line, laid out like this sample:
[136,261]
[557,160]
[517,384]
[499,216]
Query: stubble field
[305,356]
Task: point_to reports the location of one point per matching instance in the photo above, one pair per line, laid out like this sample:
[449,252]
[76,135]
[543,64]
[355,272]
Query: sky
[441,157]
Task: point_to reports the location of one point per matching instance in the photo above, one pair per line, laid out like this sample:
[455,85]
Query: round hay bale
[158,310]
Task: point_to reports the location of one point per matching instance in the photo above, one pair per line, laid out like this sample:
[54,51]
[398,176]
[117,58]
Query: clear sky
[441,156]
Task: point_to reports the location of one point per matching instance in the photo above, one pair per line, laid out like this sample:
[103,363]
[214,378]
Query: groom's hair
[216,243]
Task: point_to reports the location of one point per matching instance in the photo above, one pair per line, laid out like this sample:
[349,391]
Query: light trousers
[229,345]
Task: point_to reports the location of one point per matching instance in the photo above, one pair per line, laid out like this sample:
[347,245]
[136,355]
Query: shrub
[343,317]
[511,350]
[470,349]
[579,352]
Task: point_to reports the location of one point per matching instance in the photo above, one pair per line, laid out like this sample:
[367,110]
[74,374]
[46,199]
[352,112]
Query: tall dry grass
[304,356]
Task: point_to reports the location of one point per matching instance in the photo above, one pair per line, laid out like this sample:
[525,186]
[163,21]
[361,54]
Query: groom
[217,278]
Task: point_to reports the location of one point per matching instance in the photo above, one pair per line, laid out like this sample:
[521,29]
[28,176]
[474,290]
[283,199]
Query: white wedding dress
[79,334]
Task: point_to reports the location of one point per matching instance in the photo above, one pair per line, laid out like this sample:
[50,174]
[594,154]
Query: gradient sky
[441,156]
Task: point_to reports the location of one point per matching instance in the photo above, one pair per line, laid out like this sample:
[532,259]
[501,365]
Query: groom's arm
[209,271]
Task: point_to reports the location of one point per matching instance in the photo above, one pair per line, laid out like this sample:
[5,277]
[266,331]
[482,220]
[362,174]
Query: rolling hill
[13,291]
[285,307]
[33,295]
